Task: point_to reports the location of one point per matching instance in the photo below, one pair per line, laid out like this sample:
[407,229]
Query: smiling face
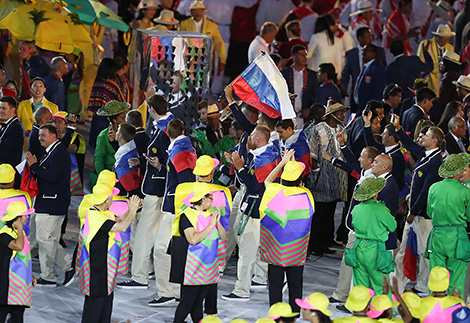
[61,125]
[6,111]
[46,138]
[460,128]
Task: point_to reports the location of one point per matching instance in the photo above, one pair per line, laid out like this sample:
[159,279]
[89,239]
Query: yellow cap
[439,279]
[211,319]
[292,170]
[315,302]
[265,320]
[16,209]
[380,304]
[358,298]
[239,321]
[61,115]
[7,174]
[413,301]
[200,190]
[101,192]
[106,177]
[204,165]
[281,309]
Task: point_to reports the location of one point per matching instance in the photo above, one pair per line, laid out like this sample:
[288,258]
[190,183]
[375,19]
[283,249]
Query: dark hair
[202,105]
[372,152]
[425,93]
[404,3]
[127,131]
[236,125]
[329,69]
[450,110]
[107,69]
[50,127]
[297,48]
[10,223]
[285,124]
[397,47]
[134,117]
[14,84]
[270,122]
[158,103]
[374,105]
[451,66]
[37,78]
[121,61]
[175,128]
[323,23]
[371,47]
[10,100]
[276,58]
[419,83]
[292,183]
[282,34]
[294,27]
[422,127]
[361,32]
[286,319]
[392,132]
[391,90]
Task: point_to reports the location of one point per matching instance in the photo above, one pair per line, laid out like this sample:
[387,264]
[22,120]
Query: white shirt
[48,149]
[321,51]
[198,25]
[429,152]
[387,149]
[257,46]
[298,87]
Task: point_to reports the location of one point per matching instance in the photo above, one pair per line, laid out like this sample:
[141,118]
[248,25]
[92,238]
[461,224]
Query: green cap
[454,164]
[369,188]
[112,108]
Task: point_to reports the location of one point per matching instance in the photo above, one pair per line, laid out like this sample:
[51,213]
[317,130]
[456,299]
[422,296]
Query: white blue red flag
[265,160]
[262,86]
[412,252]
[130,178]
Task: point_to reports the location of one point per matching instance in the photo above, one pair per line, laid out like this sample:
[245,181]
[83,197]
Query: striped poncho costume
[222,200]
[20,273]
[201,263]
[91,273]
[118,207]
[286,216]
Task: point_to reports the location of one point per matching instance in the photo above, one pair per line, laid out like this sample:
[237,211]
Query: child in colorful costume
[372,222]
[358,302]
[194,253]
[449,209]
[16,276]
[99,253]
[286,212]
[314,308]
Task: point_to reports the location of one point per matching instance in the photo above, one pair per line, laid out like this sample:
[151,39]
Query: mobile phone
[367,110]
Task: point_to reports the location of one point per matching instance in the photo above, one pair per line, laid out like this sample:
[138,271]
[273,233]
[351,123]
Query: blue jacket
[411,117]
[11,142]
[370,85]
[308,94]
[389,195]
[327,90]
[424,175]
[154,179]
[53,178]
[247,127]
[55,91]
[34,146]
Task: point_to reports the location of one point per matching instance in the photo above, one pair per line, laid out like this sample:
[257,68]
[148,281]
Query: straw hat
[380,304]
[198,4]
[167,17]
[463,82]
[204,165]
[358,298]
[452,56]
[200,190]
[369,188]
[101,192]
[213,111]
[292,170]
[413,301]
[60,115]
[439,279]
[145,4]
[7,174]
[364,6]
[112,108]
[444,31]
[281,309]
[16,209]
[453,165]
[443,9]
[316,302]
[461,315]
[211,319]
[332,107]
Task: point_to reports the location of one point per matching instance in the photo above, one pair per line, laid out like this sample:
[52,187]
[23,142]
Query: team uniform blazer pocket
[52,197]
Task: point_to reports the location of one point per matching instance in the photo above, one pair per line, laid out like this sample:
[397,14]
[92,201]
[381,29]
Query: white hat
[443,9]
[167,17]
[463,82]
[444,31]
[364,6]
[452,56]
[144,4]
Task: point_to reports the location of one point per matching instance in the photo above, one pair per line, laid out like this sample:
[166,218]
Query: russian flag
[182,154]
[262,86]
[412,251]
[162,123]
[266,159]
[299,142]
[130,178]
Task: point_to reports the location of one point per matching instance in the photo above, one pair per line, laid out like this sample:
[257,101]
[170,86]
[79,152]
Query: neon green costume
[448,245]
[372,222]
[354,319]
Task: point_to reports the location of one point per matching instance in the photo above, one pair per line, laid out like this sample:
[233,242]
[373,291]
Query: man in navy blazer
[371,81]
[456,141]
[424,99]
[405,69]
[11,133]
[52,173]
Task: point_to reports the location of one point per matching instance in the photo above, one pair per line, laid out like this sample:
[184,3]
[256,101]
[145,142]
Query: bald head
[42,116]
[382,164]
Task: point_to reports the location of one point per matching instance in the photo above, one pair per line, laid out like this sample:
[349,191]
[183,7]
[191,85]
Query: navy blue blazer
[389,195]
[452,147]
[34,146]
[53,178]
[326,91]
[308,95]
[247,127]
[411,118]
[424,175]
[254,189]
[173,179]
[11,142]
[405,69]
[370,85]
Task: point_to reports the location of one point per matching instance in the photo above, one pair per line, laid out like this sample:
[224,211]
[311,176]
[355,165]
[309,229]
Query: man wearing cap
[450,68]
[165,21]
[206,26]
[366,17]
[286,212]
[314,308]
[436,47]
[26,108]
[439,306]
[282,312]
[11,132]
[358,302]
[99,252]
[449,209]
[106,145]
[329,183]
[52,173]
[463,90]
